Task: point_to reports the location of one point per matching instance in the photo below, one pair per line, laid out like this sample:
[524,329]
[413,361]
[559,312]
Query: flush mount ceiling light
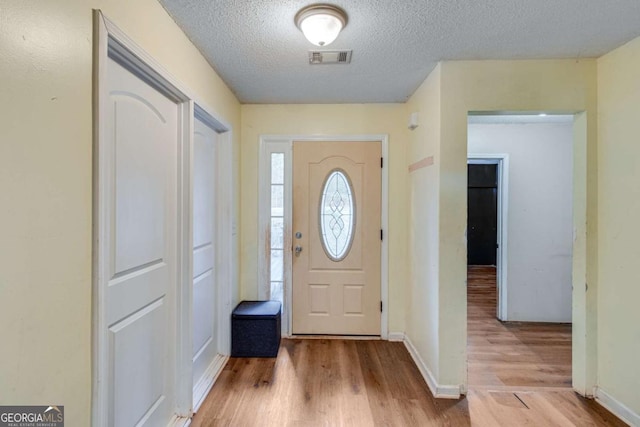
[321,23]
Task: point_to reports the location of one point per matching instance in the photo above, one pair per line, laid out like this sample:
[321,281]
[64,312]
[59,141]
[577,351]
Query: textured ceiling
[259,52]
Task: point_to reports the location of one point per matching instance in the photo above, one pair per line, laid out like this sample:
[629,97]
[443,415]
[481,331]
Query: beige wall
[45,184]
[343,119]
[619,234]
[424,142]
[554,85]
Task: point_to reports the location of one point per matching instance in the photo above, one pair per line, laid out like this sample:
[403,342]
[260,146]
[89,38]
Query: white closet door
[141,250]
[205,341]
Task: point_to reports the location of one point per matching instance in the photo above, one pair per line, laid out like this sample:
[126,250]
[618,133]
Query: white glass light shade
[321,30]
[321,24]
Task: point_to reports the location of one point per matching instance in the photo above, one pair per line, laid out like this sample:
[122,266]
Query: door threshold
[519,388]
[334,337]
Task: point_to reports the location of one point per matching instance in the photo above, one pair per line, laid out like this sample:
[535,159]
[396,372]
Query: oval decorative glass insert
[337,215]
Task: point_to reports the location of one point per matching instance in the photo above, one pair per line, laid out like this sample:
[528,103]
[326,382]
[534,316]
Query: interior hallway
[521,355]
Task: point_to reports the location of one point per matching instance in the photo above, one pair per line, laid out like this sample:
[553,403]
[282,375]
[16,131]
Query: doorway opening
[487,220]
[519,237]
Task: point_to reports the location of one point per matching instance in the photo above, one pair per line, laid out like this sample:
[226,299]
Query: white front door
[336,238]
[205,343]
[140,250]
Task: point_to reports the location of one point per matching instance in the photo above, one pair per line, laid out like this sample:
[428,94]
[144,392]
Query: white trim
[502,160]
[396,337]
[266,142]
[384,256]
[616,407]
[127,52]
[184,267]
[336,337]
[584,316]
[204,114]
[203,387]
[226,238]
[99,405]
[439,391]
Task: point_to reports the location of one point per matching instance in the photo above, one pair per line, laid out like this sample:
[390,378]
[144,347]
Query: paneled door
[205,345]
[140,251]
[336,238]
[482,215]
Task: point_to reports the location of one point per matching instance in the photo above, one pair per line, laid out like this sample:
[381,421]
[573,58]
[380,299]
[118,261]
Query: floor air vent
[329,57]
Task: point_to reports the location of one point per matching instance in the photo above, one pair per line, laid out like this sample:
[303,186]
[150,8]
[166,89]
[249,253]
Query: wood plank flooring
[332,382]
[520,373]
[536,408]
[319,382]
[512,354]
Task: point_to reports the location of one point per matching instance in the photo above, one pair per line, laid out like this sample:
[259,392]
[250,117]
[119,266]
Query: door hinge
[380,306]
[381,162]
[381,234]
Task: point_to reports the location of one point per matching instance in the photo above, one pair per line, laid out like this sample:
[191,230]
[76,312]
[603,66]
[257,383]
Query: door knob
[298,249]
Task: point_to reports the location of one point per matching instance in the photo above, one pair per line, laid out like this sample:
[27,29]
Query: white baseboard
[438,391]
[617,408]
[396,336]
[203,387]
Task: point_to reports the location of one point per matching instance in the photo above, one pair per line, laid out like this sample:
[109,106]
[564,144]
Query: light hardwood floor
[512,354]
[520,373]
[321,382]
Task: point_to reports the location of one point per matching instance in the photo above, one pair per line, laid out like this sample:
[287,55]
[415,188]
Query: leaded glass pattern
[337,215]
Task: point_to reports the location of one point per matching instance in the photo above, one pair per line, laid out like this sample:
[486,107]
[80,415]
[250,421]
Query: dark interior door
[482,218]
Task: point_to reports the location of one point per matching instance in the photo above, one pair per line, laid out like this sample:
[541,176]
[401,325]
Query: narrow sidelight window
[277,226]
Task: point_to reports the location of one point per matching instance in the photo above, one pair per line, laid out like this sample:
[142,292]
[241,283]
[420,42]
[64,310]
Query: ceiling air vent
[329,57]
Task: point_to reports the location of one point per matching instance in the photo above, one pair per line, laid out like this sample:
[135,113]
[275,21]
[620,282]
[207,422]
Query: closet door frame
[111,42]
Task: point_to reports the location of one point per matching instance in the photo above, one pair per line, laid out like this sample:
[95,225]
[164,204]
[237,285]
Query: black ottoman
[255,329]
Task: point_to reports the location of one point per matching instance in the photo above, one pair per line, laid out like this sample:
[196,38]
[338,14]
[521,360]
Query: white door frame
[584,305]
[284,144]
[502,161]
[111,42]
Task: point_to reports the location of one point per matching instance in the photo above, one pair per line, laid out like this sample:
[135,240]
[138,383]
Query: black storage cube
[255,329]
